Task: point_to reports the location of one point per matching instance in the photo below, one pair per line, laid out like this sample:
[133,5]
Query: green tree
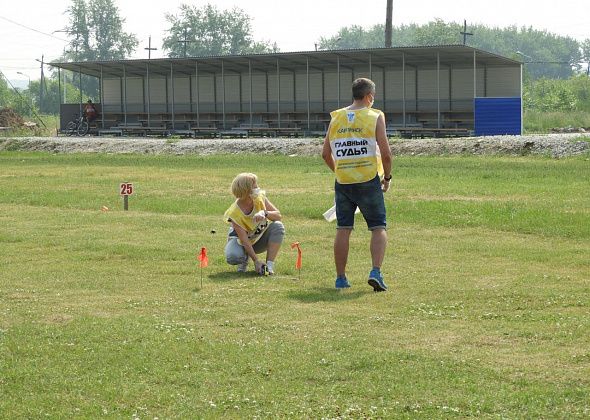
[17,99]
[210,31]
[53,93]
[95,32]
[553,56]
[550,95]
[585,46]
[7,95]
[437,32]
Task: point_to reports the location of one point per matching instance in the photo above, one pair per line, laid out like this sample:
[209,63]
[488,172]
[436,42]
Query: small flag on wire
[298,262]
[203,262]
[202,257]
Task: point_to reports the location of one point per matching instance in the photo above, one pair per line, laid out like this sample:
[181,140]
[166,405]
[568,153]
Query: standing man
[357,151]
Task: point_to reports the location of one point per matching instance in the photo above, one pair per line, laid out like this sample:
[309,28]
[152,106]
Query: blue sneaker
[342,283]
[376,281]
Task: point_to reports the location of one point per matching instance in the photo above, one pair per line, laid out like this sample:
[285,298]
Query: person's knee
[278,232]
[235,258]
[235,254]
[280,228]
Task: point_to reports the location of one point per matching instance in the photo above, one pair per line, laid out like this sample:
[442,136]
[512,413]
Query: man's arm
[327,152]
[384,149]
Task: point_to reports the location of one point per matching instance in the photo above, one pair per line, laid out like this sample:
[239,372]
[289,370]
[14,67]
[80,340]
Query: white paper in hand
[330,214]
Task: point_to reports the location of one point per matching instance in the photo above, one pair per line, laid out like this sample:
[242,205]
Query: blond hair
[243,184]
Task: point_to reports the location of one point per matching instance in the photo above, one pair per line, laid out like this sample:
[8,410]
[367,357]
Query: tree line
[554,76]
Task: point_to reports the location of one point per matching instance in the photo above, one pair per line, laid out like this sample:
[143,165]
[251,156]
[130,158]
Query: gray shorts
[236,254]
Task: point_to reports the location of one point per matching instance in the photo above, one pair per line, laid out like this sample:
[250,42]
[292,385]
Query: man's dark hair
[362,87]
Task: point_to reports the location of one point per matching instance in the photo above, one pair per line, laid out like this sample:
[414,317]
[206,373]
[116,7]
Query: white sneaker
[243,267]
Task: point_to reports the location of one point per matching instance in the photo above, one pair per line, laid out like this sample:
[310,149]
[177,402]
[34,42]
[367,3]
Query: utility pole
[41,83]
[465,33]
[150,49]
[388,24]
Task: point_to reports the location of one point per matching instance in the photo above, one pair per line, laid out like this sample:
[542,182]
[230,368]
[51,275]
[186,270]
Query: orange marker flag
[298,263]
[202,257]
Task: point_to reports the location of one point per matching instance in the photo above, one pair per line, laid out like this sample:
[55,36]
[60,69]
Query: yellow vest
[354,145]
[236,215]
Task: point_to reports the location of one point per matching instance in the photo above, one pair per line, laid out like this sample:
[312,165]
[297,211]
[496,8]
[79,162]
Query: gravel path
[554,145]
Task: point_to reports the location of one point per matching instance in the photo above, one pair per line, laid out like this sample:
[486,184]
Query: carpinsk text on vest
[350,130]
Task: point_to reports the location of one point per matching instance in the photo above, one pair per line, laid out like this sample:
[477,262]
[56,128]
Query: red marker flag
[298,263]
[202,257]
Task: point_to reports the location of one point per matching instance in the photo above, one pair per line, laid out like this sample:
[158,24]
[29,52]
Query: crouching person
[256,227]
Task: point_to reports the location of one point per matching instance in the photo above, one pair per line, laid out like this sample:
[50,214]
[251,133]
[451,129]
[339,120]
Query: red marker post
[298,263]
[126,189]
[203,261]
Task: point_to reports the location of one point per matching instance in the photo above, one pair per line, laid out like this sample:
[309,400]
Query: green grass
[543,122]
[102,313]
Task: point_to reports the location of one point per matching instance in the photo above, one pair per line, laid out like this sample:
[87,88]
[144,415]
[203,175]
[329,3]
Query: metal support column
[521,105]
[172,99]
[485,81]
[149,93]
[450,88]
[384,90]
[308,97]
[404,90]
[215,94]
[266,90]
[197,90]
[124,94]
[370,66]
[101,98]
[416,88]
[190,94]
[323,91]
[240,88]
[438,89]
[474,76]
[223,93]
[59,85]
[250,79]
[278,95]
[294,91]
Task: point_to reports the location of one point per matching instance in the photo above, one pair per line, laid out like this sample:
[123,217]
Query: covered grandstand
[435,89]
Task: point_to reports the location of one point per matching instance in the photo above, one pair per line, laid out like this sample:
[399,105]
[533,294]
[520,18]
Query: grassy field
[102,314]
[543,122]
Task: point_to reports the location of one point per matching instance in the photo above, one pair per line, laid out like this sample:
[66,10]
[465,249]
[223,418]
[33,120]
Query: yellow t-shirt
[354,145]
[254,230]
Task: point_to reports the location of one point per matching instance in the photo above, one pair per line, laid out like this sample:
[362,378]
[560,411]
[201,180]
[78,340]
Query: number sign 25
[126,188]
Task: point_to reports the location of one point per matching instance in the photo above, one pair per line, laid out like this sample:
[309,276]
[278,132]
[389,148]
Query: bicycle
[79,126]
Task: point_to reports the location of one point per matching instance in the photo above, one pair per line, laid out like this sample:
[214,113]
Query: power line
[33,29]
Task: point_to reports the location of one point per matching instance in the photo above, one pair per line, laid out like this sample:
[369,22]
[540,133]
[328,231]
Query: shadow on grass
[226,276]
[324,294]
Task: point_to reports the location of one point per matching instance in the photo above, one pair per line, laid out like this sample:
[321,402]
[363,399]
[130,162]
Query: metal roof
[380,58]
